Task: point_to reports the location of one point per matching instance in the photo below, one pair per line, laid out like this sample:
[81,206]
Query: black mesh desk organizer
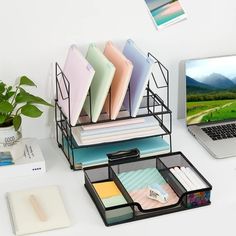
[133,210]
[154,103]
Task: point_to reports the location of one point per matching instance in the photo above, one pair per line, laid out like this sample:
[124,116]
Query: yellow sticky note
[107,189]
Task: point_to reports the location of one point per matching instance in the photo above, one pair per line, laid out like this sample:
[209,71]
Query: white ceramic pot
[8,136]
[10,141]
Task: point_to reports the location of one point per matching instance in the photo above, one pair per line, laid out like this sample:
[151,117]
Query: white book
[32,163]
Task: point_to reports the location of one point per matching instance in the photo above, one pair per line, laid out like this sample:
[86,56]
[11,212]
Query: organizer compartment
[191,199]
[144,172]
[154,104]
[114,214]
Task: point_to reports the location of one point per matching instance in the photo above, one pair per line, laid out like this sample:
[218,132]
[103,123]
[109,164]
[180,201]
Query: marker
[180,179]
[185,178]
[196,178]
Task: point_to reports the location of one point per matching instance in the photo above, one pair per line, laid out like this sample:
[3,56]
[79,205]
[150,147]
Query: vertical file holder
[154,103]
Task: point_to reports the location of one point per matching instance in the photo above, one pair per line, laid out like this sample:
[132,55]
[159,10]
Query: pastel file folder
[104,73]
[142,68]
[121,79]
[37,210]
[79,73]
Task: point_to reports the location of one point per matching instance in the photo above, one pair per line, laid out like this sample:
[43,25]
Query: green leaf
[39,100]
[9,89]
[2,118]
[22,90]
[5,107]
[26,81]
[23,97]
[17,122]
[2,87]
[9,95]
[29,98]
[31,111]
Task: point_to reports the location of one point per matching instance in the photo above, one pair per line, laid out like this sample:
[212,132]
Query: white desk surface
[217,219]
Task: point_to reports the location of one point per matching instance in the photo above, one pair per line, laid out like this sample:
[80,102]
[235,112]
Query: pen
[37,208]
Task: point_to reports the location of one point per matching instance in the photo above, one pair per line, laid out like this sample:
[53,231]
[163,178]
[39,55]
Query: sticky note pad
[107,189]
[36,210]
[111,196]
[114,201]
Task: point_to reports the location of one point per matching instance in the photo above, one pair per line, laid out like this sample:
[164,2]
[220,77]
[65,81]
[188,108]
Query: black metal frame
[152,105]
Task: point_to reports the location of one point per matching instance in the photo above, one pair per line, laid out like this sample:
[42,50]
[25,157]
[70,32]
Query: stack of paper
[95,155]
[116,133]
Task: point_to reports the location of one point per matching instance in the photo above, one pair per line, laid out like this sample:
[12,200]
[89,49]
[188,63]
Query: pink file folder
[79,74]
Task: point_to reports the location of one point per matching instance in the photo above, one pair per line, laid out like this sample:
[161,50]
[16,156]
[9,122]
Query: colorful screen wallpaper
[165,11]
[211,89]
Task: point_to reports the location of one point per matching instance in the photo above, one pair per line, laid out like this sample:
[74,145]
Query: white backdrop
[35,34]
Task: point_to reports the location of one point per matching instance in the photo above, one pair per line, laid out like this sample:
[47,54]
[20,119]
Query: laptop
[211,103]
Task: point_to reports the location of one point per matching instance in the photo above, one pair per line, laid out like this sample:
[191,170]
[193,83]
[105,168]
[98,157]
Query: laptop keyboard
[221,131]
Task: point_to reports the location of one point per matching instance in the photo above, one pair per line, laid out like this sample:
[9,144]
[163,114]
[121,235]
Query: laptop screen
[210,89]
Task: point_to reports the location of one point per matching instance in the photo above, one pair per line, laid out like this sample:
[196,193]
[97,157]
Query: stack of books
[31,163]
[6,159]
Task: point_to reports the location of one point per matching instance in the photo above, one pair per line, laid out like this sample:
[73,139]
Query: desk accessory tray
[130,210]
[154,104]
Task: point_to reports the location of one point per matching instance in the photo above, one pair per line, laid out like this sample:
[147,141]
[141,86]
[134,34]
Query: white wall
[35,34]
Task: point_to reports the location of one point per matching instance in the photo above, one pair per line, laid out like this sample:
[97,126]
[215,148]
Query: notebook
[37,210]
[104,73]
[142,67]
[79,74]
[120,82]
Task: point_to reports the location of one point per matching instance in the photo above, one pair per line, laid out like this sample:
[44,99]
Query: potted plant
[16,102]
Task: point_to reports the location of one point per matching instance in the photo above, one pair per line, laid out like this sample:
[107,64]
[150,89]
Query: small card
[165,12]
